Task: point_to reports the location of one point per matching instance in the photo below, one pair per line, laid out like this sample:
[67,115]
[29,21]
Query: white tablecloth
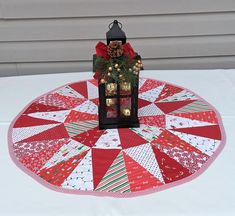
[212,193]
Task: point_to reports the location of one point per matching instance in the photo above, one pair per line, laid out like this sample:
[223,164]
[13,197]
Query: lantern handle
[116,22]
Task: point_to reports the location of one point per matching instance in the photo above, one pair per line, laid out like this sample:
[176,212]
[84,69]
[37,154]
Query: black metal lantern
[118,99]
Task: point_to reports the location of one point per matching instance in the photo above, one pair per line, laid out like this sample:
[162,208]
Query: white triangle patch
[68,91]
[149,133]
[141,82]
[82,176]
[152,94]
[65,152]
[149,110]
[58,116]
[145,156]
[87,107]
[19,134]
[173,122]
[92,91]
[205,145]
[180,96]
[109,140]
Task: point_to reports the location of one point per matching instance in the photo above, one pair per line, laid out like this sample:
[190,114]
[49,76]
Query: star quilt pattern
[56,140]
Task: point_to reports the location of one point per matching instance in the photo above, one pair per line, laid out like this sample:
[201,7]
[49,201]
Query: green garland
[118,69]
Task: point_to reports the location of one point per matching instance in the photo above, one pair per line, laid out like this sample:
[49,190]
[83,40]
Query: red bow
[102,50]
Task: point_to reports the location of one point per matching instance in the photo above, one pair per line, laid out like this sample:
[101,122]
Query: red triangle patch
[139,178]
[129,138]
[75,116]
[27,121]
[156,121]
[90,137]
[206,116]
[171,170]
[143,103]
[211,131]
[102,159]
[36,107]
[81,88]
[69,102]
[94,82]
[168,107]
[57,132]
[168,91]
[58,173]
[36,160]
[149,84]
[166,138]
[95,101]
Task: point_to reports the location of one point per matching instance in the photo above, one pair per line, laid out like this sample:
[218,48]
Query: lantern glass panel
[125,106]
[125,88]
[111,89]
[111,108]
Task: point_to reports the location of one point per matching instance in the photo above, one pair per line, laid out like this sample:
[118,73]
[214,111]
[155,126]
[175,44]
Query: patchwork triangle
[102,160]
[181,96]
[75,128]
[195,106]
[150,110]
[144,155]
[141,82]
[168,91]
[36,107]
[36,160]
[58,173]
[69,102]
[171,170]
[109,139]
[168,139]
[129,138]
[24,149]
[27,121]
[168,107]
[139,178]
[94,82]
[57,132]
[58,116]
[149,84]
[92,90]
[20,134]
[173,122]
[142,103]
[149,133]
[205,145]
[115,179]
[67,151]
[81,88]
[90,137]
[87,107]
[190,160]
[68,91]
[52,99]
[81,177]
[206,116]
[152,94]
[157,121]
[211,131]
[75,116]
[95,101]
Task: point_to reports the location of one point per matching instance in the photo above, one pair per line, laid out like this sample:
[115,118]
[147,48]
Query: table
[211,193]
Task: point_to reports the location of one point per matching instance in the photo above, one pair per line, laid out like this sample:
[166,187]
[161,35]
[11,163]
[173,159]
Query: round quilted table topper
[56,140]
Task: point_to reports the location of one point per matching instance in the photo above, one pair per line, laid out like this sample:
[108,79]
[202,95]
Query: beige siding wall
[51,36]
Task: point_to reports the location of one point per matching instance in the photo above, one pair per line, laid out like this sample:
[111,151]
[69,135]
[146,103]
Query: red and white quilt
[56,140]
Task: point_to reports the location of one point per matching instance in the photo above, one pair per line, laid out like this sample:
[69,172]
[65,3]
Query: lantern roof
[115,32]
